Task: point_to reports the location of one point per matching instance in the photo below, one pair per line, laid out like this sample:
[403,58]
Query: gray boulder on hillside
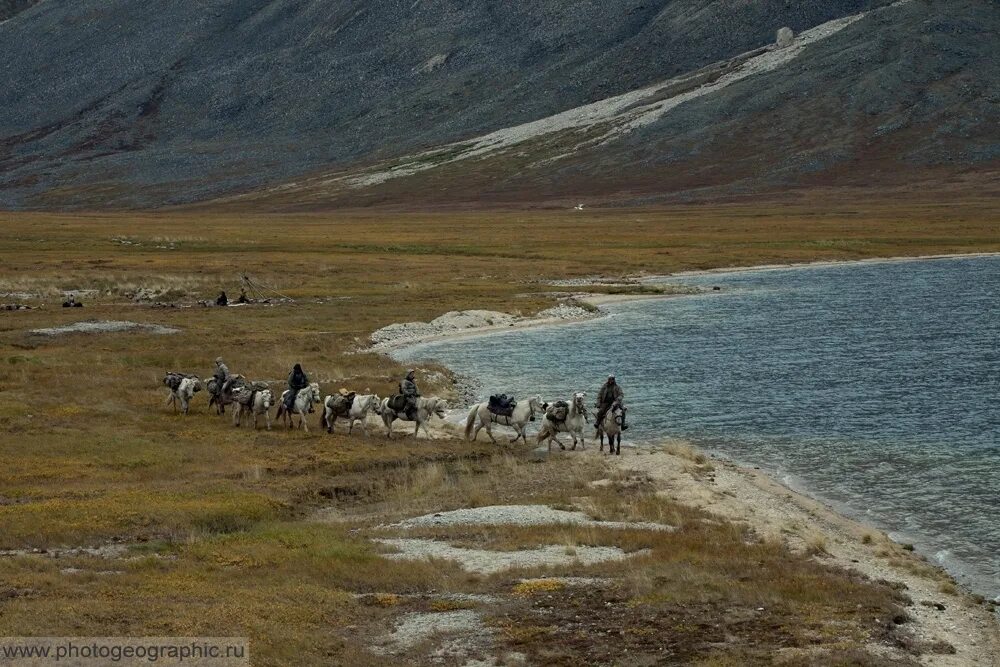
[785,38]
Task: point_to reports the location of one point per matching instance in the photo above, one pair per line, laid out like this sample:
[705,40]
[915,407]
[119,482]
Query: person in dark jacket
[297,381]
[609,393]
[408,388]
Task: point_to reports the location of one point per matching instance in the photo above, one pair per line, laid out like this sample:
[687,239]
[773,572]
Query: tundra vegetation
[193,527]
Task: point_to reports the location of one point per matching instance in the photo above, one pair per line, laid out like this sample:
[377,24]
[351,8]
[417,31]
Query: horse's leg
[489,432]
[555,436]
[304,422]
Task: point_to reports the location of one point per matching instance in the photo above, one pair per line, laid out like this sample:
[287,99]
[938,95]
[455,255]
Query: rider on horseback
[297,380]
[221,375]
[609,394]
[408,389]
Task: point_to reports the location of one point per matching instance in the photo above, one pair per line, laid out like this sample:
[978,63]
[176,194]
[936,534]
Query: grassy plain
[218,524]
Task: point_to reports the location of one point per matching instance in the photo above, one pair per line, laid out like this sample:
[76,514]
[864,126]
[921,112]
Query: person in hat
[609,393]
[221,375]
[408,388]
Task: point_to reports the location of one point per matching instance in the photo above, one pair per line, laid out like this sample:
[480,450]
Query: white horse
[304,400]
[573,424]
[262,402]
[426,408]
[362,405]
[611,426]
[183,393]
[480,417]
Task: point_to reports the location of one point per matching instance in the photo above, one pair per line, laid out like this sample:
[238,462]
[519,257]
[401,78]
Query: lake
[872,385]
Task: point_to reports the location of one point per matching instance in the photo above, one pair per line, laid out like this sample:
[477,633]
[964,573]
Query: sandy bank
[462,323]
[942,614]
[821,264]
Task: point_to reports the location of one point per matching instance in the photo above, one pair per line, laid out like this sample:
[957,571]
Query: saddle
[502,405]
[558,411]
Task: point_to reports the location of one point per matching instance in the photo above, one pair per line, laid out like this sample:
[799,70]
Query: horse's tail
[470,421]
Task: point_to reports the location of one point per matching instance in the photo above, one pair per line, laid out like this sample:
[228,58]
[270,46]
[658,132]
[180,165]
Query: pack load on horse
[501,404]
[336,405]
[245,393]
[557,412]
[182,388]
[485,414]
[253,399]
[609,394]
[173,379]
[565,417]
[350,406]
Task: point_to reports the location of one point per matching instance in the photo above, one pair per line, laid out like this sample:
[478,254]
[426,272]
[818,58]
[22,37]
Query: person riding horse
[408,389]
[609,394]
[297,381]
[221,375]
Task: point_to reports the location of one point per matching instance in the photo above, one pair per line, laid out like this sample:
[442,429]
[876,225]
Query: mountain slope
[124,103]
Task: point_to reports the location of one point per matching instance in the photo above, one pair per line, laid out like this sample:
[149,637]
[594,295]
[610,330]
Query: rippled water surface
[875,386]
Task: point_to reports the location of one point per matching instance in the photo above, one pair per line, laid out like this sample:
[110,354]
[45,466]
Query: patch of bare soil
[594,625]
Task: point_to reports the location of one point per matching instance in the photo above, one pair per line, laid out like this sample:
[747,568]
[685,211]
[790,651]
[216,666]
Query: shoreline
[942,610]
[598,299]
[822,263]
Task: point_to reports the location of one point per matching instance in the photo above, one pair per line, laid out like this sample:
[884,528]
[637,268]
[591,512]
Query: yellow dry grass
[216,516]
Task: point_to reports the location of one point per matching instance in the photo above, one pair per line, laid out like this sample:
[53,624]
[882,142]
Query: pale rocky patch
[522,515]
[482,561]
[105,326]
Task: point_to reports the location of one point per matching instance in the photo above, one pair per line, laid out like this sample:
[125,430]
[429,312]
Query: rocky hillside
[316,103]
